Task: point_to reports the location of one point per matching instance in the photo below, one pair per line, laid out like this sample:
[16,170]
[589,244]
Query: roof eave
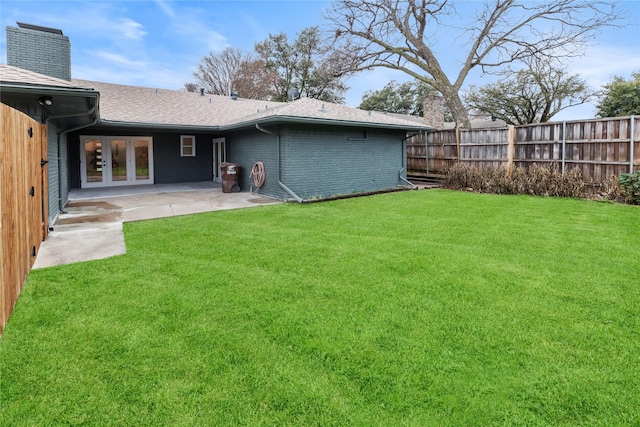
[333,122]
[264,120]
[162,126]
[10,87]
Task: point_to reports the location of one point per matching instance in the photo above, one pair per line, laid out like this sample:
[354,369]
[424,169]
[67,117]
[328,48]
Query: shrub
[630,186]
[610,189]
[537,180]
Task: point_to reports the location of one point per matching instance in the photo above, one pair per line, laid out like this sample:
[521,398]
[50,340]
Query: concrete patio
[91,226]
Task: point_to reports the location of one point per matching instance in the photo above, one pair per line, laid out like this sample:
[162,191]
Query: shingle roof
[135,104]
[15,75]
[149,106]
[314,110]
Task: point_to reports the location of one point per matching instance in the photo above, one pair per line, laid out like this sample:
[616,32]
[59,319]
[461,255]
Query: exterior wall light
[45,101]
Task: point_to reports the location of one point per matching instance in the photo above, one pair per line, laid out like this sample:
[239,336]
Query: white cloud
[602,62]
[166,8]
[130,29]
[119,60]
[191,25]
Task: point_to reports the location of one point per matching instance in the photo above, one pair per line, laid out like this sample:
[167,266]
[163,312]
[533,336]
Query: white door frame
[219,156]
[106,161]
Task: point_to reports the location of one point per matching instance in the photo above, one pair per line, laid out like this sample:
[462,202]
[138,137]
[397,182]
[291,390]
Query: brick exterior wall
[248,147]
[320,161]
[325,161]
[39,51]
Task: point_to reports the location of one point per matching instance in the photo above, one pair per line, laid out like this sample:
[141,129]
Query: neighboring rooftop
[476,123]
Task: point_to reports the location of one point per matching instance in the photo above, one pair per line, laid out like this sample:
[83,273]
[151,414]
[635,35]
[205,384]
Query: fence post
[458,136]
[511,139]
[631,144]
[564,141]
[426,151]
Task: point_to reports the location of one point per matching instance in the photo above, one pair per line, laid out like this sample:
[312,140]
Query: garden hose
[258,174]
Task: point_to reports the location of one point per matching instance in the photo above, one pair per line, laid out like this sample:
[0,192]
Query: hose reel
[258,174]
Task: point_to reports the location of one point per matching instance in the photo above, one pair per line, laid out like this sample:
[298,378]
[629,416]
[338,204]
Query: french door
[219,156]
[110,161]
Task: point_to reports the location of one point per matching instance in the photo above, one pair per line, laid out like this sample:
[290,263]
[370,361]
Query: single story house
[103,134]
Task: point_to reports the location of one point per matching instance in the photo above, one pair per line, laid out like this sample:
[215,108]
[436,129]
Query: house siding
[248,147]
[313,161]
[168,166]
[323,161]
[58,171]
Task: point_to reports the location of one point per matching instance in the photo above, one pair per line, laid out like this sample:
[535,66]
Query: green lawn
[415,308]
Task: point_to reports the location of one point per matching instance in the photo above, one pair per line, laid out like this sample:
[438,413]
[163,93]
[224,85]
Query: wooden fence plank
[599,147]
[21,201]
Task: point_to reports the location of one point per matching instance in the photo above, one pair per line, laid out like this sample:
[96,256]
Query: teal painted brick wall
[322,161]
[39,51]
[250,146]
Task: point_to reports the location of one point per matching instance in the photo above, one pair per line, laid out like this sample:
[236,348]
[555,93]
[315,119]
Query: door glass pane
[118,160]
[93,160]
[142,159]
[216,161]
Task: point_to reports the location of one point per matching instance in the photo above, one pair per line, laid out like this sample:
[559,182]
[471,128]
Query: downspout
[404,160]
[403,178]
[284,187]
[58,157]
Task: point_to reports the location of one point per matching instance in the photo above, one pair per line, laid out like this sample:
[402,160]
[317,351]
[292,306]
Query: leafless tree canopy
[232,69]
[531,95]
[397,34]
[305,66]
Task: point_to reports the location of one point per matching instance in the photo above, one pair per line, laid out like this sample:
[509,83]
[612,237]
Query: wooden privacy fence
[600,147]
[23,189]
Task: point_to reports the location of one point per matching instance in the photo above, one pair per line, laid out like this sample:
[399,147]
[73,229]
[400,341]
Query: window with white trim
[187,146]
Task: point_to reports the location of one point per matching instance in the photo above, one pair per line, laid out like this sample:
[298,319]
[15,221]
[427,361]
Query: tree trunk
[457,108]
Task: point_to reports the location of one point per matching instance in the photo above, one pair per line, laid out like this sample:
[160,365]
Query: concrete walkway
[91,227]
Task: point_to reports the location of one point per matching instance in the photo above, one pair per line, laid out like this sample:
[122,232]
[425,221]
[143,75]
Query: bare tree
[531,95]
[233,70]
[397,34]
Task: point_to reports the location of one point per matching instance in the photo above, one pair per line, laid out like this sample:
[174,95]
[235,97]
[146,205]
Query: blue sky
[159,43]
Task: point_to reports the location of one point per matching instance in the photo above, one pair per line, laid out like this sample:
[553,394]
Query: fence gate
[23,202]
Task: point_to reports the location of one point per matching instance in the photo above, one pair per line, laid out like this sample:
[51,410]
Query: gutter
[160,126]
[258,122]
[334,122]
[280,183]
[8,87]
